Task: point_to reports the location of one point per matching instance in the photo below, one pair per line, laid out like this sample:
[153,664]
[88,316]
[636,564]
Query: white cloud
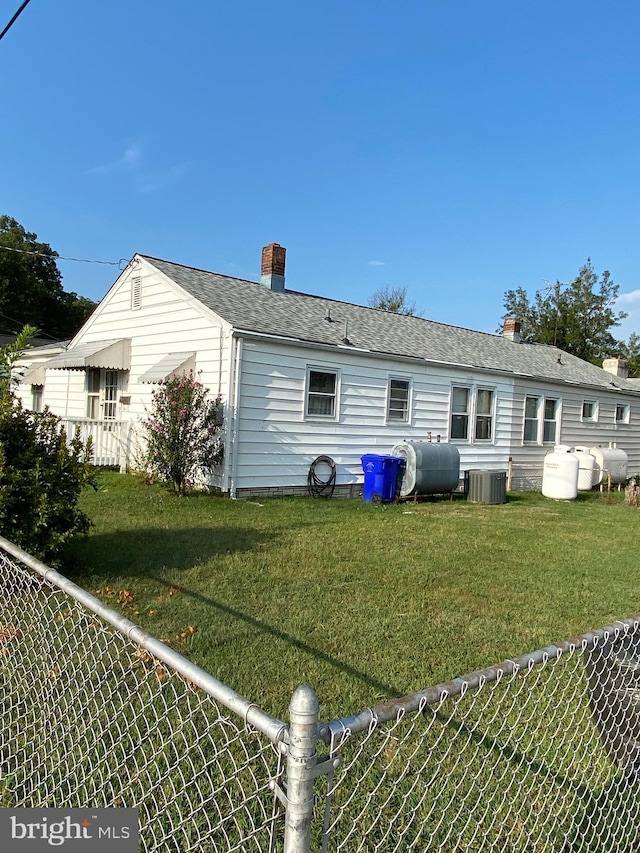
[628,298]
[131,163]
[377,263]
[131,158]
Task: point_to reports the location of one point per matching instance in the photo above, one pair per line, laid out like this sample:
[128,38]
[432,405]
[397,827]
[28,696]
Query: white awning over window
[171,364]
[34,375]
[114,355]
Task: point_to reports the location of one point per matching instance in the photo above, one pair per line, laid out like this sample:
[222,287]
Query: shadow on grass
[141,552]
[290,640]
[137,552]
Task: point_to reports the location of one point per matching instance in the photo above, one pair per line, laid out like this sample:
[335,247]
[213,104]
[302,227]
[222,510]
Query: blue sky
[457,149]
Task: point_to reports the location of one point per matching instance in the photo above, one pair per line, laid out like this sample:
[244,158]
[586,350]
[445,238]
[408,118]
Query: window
[93,393]
[398,400]
[102,392]
[322,393]
[531,419]
[136,292]
[589,411]
[472,405]
[36,397]
[484,414]
[460,413]
[110,393]
[622,413]
[549,429]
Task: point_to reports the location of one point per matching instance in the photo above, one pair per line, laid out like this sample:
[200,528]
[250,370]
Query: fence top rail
[251,713]
[395,708]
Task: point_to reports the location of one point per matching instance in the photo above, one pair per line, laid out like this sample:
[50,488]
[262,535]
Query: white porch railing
[111,440]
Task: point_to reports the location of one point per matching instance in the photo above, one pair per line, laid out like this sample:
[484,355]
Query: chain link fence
[97,715]
[540,753]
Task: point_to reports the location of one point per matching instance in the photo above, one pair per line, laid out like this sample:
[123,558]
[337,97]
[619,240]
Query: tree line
[31,291]
[578,317]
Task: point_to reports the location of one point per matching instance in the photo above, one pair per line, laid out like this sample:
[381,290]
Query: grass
[363,602]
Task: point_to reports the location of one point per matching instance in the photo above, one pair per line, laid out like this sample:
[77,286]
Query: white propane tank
[586,469]
[560,474]
[609,460]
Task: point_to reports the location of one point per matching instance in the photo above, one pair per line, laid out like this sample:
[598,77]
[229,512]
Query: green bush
[41,477]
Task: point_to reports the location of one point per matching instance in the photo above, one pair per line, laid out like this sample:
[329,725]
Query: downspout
[232,444]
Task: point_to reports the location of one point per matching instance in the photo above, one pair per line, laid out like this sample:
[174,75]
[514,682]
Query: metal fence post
[301,761]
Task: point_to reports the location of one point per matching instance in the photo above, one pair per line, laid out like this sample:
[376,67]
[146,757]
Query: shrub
[41,477]
[182,432]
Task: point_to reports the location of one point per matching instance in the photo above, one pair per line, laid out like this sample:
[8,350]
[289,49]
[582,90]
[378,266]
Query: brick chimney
[511,329]
[272,270]
[617,366]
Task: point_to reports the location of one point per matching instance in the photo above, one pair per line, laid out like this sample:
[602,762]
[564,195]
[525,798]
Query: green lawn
[363,602]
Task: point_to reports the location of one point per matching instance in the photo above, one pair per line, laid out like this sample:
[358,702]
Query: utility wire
[14,19]
[56,257]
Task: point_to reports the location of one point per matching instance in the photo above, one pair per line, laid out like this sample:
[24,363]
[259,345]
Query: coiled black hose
[319,488]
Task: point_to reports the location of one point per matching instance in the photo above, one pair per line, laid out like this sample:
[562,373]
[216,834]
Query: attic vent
[136,292]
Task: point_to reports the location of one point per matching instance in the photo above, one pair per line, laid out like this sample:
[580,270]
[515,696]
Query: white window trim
[539,398]
[627,414]
[476,414]
[542,400]
[317,368]
[396,377]
[472,413]
[556,440]
[100,394]
[596,412]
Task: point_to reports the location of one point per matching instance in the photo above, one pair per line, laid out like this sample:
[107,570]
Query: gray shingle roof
[250,306]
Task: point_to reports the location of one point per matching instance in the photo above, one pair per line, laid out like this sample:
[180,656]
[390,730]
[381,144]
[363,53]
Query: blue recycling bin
[381,477]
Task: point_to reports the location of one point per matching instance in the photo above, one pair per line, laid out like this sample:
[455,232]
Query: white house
[302,376]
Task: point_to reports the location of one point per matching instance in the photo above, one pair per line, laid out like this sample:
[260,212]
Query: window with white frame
[623,412]
[322,393]
[460,411]
[37,392]
[398,399]
[103,387]
[473,406]
[589,411]
[550,422]
[110,393]
[93,393]
[484,414]
[531,420]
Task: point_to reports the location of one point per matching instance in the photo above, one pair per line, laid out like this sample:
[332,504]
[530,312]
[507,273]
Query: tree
[394,300]
[182,433]
[576,317]
[31,286]
[41,473]
[630,351]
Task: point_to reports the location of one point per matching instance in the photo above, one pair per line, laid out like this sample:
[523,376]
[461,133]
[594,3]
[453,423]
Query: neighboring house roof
[33,342]
[252,307]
